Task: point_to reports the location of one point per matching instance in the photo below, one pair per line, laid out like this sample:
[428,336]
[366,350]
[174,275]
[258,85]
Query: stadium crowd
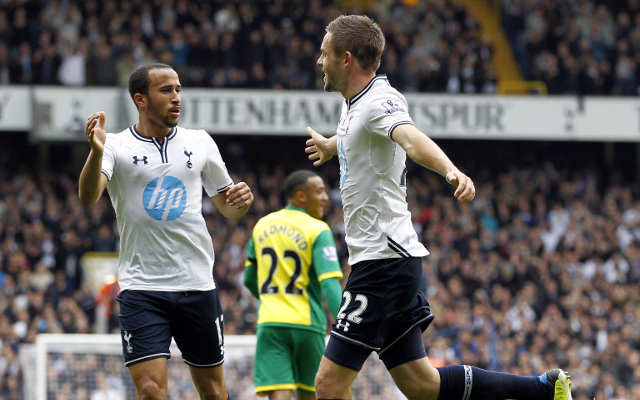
[574,46]
[539,271]
[577,47]
[431,46]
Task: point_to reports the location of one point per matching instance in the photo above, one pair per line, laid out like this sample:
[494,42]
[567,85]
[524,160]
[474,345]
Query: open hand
[95,131]
[318,148]
[465,191]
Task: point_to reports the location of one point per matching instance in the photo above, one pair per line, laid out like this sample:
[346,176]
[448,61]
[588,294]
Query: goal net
[66,366]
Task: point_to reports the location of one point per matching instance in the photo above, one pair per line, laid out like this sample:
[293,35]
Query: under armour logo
[127,337]
[143,159]
[340,325]
[189,163]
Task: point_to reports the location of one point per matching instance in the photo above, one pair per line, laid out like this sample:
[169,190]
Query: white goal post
[59,351]
[61,366]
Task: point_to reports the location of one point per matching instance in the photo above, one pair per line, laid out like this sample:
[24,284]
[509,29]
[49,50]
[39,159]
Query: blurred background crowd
[539,271]
[432,46]
[574,46]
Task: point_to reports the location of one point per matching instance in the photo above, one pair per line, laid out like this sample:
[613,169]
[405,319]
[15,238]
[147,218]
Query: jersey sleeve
[251,252]
[325,257]
[250,279]
[332,293]
[386,112]
[215,177]
[109,156]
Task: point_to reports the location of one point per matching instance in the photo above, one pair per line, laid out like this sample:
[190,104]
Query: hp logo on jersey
[164,198]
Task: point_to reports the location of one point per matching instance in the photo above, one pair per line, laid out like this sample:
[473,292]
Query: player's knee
[419,389]
[322,383]
[213,394]
[281,395]
[328,387]
[419,392]
[150,390]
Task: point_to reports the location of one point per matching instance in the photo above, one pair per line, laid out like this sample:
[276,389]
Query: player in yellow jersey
[292,263]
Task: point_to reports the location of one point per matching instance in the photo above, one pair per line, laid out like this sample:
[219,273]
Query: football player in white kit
[154,172]
[382,308]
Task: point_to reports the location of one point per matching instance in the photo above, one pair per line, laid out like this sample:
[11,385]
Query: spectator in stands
[72,71]
[46,63]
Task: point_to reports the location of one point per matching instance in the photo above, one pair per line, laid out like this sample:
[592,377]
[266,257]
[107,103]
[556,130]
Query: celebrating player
[154,172]
[383,309]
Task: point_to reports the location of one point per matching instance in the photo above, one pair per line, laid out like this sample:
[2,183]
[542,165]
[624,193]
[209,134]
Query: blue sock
[462,382]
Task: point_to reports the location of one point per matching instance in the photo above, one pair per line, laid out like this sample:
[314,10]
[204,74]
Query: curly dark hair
[139,79]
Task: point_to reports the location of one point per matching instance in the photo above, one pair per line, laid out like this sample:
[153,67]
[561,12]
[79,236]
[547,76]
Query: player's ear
[301,196]
[348,58]
[140,99]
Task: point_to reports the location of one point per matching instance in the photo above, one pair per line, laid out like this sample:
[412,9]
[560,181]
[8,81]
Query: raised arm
[92,181]
[235,202]
[320,148]
[421,149]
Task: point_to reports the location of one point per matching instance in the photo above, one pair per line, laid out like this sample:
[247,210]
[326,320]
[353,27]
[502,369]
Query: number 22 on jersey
[268,286]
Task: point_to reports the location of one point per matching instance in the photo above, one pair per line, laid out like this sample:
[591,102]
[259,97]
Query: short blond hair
[359,35]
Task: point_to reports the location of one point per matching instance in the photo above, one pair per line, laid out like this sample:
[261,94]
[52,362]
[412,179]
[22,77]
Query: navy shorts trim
[421,322]
[203,365]
[347,339]
[150,319]
[408,348]
[148,358]
[426,320]
[346,354]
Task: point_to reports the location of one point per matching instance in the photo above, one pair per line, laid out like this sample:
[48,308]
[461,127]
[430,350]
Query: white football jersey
[373,175]
[156,190]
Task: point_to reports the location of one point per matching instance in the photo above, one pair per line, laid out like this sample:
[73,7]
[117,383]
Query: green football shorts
[287,359]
